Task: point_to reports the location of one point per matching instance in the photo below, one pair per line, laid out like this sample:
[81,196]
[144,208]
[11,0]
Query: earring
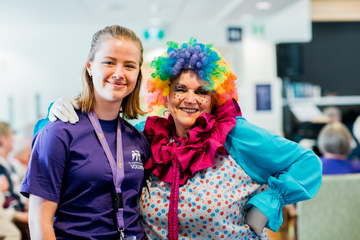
[166,113]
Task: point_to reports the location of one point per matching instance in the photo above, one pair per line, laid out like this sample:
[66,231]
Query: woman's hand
[256,220]
[64,109]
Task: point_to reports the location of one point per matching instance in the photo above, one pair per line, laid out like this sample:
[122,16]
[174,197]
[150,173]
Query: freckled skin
[188,92]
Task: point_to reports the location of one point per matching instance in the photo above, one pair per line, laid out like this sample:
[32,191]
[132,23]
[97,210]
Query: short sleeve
[46,167]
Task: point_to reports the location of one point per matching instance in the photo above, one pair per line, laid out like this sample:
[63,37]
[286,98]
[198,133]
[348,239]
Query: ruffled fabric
[174,160]
[196,151]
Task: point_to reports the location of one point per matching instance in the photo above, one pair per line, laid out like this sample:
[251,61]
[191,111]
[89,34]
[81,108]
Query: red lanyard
[117,166]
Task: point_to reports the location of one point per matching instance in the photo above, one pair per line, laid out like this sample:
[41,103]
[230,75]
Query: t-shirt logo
[136,156]
[136,162]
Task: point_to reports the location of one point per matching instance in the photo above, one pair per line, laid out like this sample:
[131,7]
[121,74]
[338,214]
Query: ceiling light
[263,5]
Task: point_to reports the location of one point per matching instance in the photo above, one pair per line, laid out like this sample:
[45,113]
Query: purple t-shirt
[69,166]
[339,166]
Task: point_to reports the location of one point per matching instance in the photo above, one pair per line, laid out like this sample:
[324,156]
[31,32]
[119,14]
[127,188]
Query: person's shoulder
[155,120]
[131,129]
[241,120]
[157,124]
[242,125]
[59,128]
[355,164]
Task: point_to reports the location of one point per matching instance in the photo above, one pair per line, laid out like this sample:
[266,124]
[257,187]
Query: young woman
[212,174]
[84,180]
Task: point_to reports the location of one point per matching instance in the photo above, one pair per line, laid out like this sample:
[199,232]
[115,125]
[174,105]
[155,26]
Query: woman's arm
[41,218]
[63,109]
[292,172]
[43,181]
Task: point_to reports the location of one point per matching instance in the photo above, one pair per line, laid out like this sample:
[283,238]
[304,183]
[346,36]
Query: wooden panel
[335,10]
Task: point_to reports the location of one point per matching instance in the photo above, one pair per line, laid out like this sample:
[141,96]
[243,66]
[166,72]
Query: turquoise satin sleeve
[42,122]
[140,126]
[292,172]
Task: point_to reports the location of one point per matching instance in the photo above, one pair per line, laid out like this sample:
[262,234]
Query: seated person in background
[355,153]
[11,199]
[308,131]
[334,142]
[7,169]
[8,229]
[21,154]
[333,114]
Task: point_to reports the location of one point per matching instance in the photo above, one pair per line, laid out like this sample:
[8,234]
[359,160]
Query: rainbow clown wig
[203,59]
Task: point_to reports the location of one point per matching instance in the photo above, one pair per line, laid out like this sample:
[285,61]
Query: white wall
[292,24]
[48,61]
[43,61]
[259,64]
[258,60]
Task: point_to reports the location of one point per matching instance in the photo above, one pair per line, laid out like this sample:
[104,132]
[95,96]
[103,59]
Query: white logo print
[136,160]
[136,155]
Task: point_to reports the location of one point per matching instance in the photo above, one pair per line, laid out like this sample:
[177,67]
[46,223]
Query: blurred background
[281,50]
[297,63]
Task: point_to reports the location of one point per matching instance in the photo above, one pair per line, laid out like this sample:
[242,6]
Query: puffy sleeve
[292,172]
[42,122]
[140,126]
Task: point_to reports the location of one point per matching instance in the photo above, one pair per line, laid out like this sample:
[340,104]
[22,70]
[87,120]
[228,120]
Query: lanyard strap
[117,165]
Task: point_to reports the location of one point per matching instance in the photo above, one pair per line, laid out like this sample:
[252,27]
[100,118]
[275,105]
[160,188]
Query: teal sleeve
[140,126]
[292,172]
[42,122]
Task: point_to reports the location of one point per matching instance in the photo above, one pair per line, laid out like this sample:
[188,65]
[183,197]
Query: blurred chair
[334,213]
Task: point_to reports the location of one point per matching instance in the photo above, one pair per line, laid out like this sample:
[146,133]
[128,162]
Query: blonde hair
[335,138]
[130,106]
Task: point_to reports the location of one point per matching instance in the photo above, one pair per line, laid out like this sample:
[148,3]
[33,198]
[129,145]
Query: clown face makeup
[201,58]
[187,100]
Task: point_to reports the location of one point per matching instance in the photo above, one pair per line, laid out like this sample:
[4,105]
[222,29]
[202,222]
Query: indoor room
[285,73]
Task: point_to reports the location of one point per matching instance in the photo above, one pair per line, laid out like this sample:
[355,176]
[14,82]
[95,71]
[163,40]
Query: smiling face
[188,99]
[114,69]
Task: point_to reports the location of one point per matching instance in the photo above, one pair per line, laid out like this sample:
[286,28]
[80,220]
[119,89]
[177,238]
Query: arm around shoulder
[291,172]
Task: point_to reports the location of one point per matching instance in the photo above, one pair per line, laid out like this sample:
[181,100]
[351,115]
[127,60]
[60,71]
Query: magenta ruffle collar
[194,153]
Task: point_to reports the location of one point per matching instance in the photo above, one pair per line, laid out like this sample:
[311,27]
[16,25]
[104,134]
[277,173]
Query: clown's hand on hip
[64,109]
[256,220]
